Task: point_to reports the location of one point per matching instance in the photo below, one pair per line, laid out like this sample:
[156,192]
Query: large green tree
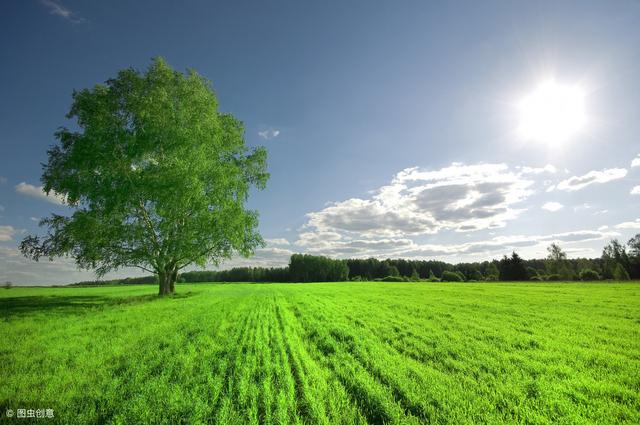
[156,178]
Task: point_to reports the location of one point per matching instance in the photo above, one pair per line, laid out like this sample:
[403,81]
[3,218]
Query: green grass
[325,353]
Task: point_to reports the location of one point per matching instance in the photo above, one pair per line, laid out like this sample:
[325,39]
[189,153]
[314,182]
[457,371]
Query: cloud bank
[38,192]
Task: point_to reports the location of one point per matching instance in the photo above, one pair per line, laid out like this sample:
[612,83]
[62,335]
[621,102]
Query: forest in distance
[618,262]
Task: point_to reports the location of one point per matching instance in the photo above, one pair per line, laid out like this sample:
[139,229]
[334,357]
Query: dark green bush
[588,274]
[620,273]
[393,279]
[448,276]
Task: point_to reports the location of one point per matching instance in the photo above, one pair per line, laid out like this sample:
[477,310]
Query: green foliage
[589,275]
[156,176]
[492,273]
[634,246]
[351,353]
[533,273]
[476,275]
[513,268]
[372,268]
[311,268]
[556,253]
[634,256]
[620,273]
[449,276]
[393,279]
[393,271]
[415,277]
[614,254]
[240,274]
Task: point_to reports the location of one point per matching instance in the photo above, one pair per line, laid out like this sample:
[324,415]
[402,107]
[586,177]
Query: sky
[457,131]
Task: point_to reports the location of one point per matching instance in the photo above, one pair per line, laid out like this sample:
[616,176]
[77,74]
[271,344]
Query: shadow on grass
[80,304]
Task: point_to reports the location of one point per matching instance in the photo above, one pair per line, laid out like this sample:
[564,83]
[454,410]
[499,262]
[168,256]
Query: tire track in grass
[372,401]
[264,378]
[224,405]
[326,398]
[394,373]
[246,399]
[376,398]
[220,372]
[304,407]
[476,406]
[286,400]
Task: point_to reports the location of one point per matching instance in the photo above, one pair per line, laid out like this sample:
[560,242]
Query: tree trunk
[173,276]
[167,281]
[164,282]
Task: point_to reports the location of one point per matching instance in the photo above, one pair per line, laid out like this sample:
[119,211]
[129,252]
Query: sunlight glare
[552,113]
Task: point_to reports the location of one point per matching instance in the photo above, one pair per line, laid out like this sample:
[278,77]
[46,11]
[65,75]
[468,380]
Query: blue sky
[392,128]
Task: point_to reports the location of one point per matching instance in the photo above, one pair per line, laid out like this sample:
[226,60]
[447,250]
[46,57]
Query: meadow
[440,353]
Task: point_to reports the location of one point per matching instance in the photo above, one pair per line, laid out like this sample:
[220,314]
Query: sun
[552,113]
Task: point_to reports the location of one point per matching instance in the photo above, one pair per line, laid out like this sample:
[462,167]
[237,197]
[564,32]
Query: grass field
[324,353]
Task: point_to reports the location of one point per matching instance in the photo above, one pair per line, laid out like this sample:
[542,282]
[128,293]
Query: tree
[388,269]
[588,275]
[415,277]
[556,254]
[513,268]
[492,273]
[634,246]
[157,178]
[614,254]
[312,268]
[620,273]
[476,275]
[451,276]
[634,256]
[558,264]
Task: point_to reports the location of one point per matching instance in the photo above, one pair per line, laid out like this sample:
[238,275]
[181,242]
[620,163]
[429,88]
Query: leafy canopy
[156,177]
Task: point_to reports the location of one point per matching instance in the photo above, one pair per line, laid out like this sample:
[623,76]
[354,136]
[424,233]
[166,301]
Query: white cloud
[552,206]
[636,162]
[592,177]
[277,241]
[263,257]
[6,233]
[37,192]
[56,8]
[629,224]
[14,267]
[460,197]
[538,170]
[407,248]
[268,134]
[635,190]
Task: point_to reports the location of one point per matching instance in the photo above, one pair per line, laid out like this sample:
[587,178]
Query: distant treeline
[617,262]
